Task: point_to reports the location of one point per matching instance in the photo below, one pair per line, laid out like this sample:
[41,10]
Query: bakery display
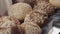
[29,17]
[19,10]
[47,7]
[31,28]
[55,2]
[8,25]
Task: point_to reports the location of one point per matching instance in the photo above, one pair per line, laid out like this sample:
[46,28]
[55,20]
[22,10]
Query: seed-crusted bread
[46,6]
[31,28]
[37,17]
[19,10]
[8,25]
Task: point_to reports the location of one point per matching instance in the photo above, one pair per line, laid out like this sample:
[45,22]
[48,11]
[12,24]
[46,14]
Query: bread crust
[19,10]
[8,25]
[37,16]
[45,6]
[31,28]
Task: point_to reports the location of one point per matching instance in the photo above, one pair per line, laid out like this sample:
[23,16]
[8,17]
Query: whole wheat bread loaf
[9,25]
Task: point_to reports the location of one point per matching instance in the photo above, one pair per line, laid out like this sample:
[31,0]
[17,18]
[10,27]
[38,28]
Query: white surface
[54,30]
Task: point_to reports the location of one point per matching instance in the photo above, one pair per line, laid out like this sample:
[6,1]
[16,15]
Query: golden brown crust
[31,28]
[19,10]
[8,25]
[37,17]
[8,18]
[45,6]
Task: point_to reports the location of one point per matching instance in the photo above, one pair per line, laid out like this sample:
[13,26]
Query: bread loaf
[45,6]
[37,16]
[9,25]
[31,28]
[19,10]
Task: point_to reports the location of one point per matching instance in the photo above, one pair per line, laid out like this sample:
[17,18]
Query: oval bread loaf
[37,16]
[31,28]
[9,25]
[19,10]
[45,6]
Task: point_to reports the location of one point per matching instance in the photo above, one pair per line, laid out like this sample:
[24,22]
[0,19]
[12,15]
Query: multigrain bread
[55,2]
[46,6]
[36,16]
[19,10]
[31,28]
[9,25]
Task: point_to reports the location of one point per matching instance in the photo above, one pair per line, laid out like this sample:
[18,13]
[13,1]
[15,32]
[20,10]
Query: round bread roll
[37,16]
[43,5]
[31,28]
[9,25]
[19,10]
[55,2]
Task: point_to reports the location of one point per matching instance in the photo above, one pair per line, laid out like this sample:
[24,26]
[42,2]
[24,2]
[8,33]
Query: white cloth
[54,30]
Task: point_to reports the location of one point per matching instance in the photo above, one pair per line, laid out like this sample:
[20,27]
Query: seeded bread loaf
[37,16]
[47,7]
[9,25]
[19,10]
[31,28]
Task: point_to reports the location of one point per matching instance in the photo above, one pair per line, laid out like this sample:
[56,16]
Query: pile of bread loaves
[34,17]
